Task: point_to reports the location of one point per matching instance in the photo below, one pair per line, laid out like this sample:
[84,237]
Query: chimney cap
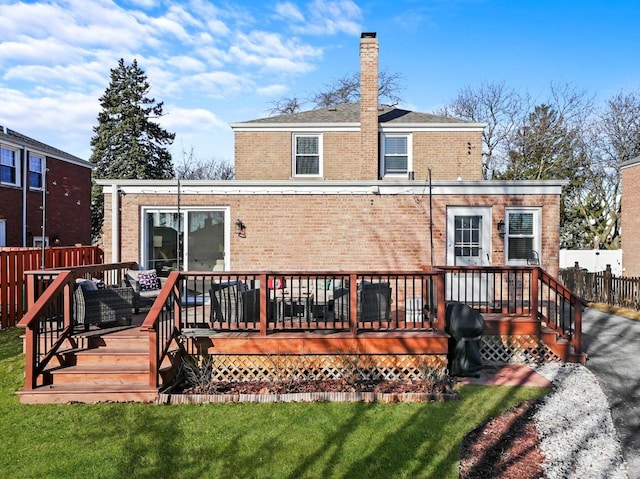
[368,35]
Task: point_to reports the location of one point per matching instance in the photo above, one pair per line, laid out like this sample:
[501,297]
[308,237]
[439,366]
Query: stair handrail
[34,364]
[576,304]
[166,307]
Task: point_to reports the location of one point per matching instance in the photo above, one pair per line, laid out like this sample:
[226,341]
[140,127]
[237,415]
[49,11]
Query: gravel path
[577,436]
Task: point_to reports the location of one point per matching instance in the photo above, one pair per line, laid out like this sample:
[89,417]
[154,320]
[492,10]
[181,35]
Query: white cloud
[289,11]
[201,57]
[330,17]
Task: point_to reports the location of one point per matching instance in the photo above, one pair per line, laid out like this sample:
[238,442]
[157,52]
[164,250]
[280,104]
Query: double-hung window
[9,166]
[36,171]
[307,155]
[396,158]
[523,235]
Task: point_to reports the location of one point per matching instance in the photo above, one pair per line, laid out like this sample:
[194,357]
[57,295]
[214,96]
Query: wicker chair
[233,304]
[374,302]
[102,307]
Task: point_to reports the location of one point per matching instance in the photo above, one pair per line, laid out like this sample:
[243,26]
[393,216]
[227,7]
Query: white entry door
[468,244]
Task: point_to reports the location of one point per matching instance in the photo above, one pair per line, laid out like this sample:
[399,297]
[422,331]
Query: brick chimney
[368,106]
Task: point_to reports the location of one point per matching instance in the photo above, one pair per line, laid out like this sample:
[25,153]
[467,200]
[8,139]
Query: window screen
[307,161]
[396,155]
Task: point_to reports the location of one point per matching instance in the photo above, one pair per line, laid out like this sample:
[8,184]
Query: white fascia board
[413,127]
[311,187]
[297,127]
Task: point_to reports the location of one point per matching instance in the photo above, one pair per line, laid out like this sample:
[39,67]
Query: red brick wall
[448,155]
[67,221]
[267,156]
[630,221]
[333,232]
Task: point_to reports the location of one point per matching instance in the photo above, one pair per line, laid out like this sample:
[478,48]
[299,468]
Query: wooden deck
[132,363]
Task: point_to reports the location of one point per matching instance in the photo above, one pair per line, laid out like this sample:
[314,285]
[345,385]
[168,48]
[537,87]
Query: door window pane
[467,236]
[205,246]
[164,242]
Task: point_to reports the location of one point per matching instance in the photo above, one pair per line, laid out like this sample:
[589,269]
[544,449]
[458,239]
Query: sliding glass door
[193,239]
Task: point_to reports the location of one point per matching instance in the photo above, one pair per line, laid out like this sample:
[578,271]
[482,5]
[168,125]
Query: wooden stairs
[99,366]
[497,324]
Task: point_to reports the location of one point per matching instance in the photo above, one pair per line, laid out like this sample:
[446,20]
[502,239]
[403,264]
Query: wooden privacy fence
[602,287]
[15,261]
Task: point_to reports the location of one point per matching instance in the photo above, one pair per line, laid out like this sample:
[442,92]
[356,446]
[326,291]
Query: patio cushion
[148,280]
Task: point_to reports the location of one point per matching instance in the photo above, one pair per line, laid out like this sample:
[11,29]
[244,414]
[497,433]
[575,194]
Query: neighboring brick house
[630,217]
[351,187]
[26,165]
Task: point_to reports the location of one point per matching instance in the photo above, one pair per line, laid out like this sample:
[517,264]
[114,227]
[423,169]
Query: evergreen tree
[127,143]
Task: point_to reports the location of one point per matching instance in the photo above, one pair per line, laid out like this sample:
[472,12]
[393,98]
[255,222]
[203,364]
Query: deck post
[353,305]
[442,307]
[534,291]
[264,309]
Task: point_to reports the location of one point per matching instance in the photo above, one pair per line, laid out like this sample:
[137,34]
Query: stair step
[66,393]
[106,357]
[101,375]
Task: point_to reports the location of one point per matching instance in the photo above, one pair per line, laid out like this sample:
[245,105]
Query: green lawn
[236,440]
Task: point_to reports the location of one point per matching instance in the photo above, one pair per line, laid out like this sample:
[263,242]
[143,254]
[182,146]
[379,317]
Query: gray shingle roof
[16,138]
[350,113]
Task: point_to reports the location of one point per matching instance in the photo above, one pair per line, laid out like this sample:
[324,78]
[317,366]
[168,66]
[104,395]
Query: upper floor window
[9,166]
[307,155]
[396,157]
[523,235]
[36,170]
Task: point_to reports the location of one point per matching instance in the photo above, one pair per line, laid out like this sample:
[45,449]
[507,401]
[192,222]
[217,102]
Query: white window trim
[18,163]
[409,138]
[294,173]
[537,233]
[43,164]
[37,241]
[3,232]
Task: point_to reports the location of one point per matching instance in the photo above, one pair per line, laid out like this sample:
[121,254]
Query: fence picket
[15,261]
[602,287]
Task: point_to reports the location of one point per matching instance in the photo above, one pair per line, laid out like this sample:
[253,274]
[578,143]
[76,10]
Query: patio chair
[101,307]
[233,304]
[145,286]
[374,302]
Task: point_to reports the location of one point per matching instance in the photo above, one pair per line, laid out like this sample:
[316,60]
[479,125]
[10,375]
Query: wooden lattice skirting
[362,367]
[518,349]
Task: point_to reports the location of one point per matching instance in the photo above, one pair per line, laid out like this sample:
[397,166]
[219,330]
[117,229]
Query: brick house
[630,220]
[28,166]
[352,187]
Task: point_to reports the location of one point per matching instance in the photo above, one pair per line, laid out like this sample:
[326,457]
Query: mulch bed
[506,447]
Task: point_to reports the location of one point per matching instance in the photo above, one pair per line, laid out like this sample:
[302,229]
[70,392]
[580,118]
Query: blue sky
[213,63]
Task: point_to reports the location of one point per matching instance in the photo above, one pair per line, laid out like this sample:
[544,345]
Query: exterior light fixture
[240,228]
[501,227]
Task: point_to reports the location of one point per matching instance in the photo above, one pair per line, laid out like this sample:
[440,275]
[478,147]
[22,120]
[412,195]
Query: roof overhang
[296,187]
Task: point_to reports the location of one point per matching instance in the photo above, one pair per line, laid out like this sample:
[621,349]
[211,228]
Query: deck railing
[265,303]
[49,321]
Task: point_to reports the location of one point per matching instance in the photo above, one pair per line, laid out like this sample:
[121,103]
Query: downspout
[178,233]
[115,224]
[25,153]
[44,213]
[431,217]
